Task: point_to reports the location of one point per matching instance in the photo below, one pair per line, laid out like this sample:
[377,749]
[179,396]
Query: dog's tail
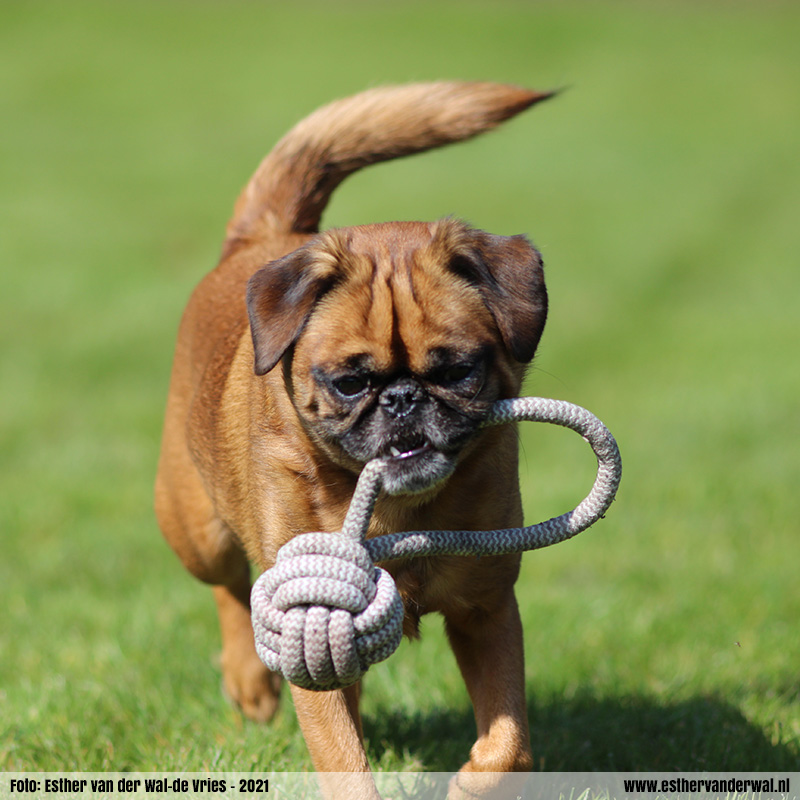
[291,187]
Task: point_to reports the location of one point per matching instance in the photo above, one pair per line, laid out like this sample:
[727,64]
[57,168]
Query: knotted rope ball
[324,612]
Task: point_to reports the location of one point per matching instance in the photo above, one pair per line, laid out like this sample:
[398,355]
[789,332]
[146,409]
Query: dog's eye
[351,385]
[457,373]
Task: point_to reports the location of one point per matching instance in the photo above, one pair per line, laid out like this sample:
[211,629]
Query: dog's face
[397,339]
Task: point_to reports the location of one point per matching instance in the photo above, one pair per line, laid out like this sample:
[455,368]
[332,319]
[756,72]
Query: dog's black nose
[401,398]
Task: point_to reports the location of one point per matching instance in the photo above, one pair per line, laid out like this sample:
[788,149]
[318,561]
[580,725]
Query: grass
[663,189]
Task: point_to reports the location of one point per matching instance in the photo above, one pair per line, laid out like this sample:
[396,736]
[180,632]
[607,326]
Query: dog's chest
[434,584]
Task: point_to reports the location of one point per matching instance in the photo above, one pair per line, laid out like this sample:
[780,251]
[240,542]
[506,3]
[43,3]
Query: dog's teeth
[394,451]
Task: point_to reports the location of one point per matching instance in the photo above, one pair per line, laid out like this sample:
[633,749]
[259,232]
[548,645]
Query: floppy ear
[508,272]
[280,299]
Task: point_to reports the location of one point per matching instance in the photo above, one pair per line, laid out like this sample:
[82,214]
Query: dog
[303,355]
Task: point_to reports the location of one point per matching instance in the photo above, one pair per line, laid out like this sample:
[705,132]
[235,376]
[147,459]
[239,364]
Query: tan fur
[246,463]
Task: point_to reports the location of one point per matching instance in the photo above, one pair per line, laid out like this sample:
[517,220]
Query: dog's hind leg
[211,553]
[246,681]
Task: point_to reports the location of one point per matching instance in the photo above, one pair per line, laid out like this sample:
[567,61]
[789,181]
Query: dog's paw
[252,687]
[467,785]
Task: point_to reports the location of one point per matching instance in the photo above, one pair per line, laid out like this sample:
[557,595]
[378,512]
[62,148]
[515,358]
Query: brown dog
[383,340]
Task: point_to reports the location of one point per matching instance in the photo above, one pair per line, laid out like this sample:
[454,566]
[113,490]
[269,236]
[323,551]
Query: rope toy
[324,612]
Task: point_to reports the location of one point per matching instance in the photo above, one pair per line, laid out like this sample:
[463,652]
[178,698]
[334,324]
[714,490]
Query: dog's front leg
[489,650]
[331,725]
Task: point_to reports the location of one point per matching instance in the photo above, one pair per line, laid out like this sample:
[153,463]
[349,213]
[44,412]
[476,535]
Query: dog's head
[397,338]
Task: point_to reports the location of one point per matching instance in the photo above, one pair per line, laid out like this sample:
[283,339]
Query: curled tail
[292,185]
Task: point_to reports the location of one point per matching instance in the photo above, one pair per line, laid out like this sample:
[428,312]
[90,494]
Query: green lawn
[663,188]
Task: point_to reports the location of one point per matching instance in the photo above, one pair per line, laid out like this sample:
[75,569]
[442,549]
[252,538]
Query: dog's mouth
[414,460]
[414,467]
[403,452]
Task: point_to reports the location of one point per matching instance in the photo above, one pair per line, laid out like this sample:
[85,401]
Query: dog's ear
[508,272]
[280,299]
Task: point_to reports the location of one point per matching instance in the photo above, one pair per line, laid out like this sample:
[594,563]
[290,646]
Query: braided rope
[324,612]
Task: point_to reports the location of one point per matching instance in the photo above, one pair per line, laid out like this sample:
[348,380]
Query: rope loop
[324,612]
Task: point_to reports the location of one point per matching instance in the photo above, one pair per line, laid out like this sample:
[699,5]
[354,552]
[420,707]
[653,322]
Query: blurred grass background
[663,188]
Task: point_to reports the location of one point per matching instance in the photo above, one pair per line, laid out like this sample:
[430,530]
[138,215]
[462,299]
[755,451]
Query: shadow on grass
[590,734]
